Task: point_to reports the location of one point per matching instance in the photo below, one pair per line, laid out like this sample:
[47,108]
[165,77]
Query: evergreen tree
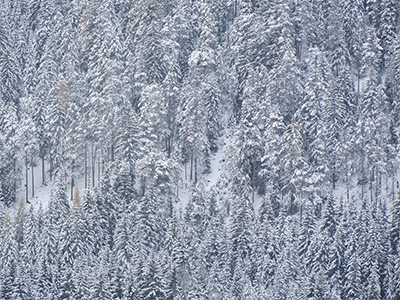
[294,167]
[9,150]
[11,86]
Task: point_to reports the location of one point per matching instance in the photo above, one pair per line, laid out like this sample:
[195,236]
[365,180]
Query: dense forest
[208,149]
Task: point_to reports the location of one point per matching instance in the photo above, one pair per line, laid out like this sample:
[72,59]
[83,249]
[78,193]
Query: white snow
[217,165]
[43,192]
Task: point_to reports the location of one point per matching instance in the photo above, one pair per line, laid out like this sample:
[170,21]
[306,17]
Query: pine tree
[335,267]
[272,139]
[9,150]
[192,131]
[100,285]
[311,122]
[352,276]
[294,166]
[251,127]
[241,235]
[123,253]
[9,259]
[285,78]
[388,18]
[395,226]
[75,244]
[11,86]
[153,286]
[287,265]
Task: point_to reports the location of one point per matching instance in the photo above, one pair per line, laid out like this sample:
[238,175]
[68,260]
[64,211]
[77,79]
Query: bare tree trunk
[393,186]
[93,164]
[235,9]
[387,182]
[191,166]
[347,180]
[33,177]
[362,183]
[51,168]
[334,174]
[358,78]
[43,172]
[144,182]
[26,178]
[98,170]
[185,174]
[377,183]
[72,179]
[301,213]
[86,167]
[72,187]
[15,181]
[362,165]
[253,177]
[195,169]
[371,193]
[103,165]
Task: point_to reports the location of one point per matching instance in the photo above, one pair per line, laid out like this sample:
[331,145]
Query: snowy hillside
[179,149]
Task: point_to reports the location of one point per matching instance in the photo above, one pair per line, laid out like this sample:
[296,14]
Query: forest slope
[199,149]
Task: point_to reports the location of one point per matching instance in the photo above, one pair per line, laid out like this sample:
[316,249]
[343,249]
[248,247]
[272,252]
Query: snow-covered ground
[218,165]
[42,192]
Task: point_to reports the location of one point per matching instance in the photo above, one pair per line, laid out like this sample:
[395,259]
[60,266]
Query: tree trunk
[301,214]
[185,174]
[191,166]
[51,168]
[72,187]
[15,181]
[347,180]
[387,182]
[103,165]
[362,164]
[333,175]
[235,9]
[72,179]
[86,167]
[393,186]
[377,183]
[33,177]
[43,172]
[98,170]
[253,183]
[144,182]
[195,169]
[358,78]
[363,181]
[93,165]
[26,178]
[371,179]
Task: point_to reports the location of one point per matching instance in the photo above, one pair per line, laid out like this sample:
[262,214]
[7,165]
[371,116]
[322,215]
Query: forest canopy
[179,149]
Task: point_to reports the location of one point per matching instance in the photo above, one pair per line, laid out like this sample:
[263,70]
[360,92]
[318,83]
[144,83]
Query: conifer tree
[294,166]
